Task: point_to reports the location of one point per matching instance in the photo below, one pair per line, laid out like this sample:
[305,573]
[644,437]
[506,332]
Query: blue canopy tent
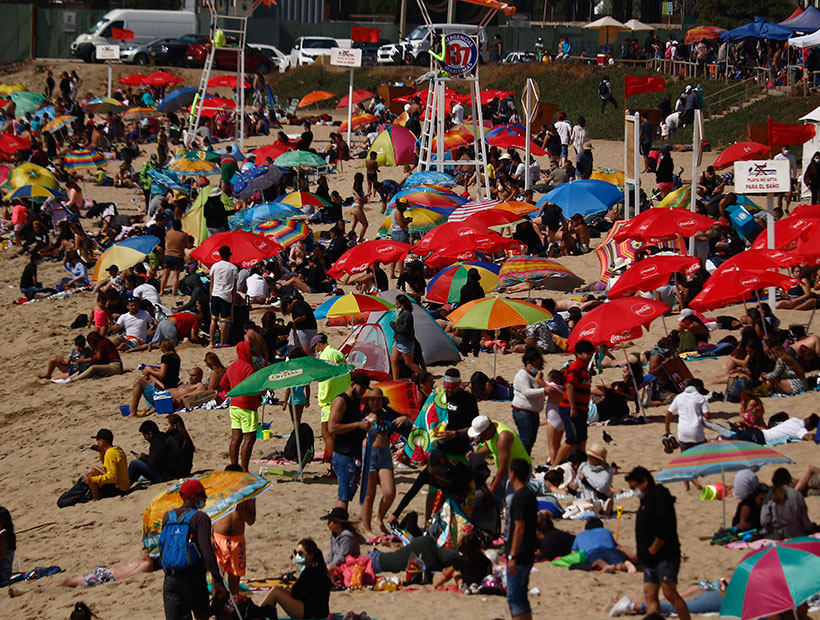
[758,29]
[807,22]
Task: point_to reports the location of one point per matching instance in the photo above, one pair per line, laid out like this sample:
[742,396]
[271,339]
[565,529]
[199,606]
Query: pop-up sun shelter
[368,347]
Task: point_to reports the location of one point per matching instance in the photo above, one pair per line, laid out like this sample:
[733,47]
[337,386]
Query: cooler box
[743,221]
[163,403]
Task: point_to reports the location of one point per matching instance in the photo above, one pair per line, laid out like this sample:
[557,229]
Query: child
[381,460]
[100,314]
[751,410]
[298,396]
[372,172]
[555,427]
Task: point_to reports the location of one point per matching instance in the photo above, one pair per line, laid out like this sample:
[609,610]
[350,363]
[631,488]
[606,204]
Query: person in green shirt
[145,178]
[330,389]
[226,171]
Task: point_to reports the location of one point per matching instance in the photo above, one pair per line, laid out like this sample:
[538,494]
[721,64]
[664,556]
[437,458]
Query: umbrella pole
[811,318]
[495,350]
[298,443]
[635,383]
[762,318]
[723,494]
[663,320]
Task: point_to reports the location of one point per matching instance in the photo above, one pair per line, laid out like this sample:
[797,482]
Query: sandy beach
[47,430]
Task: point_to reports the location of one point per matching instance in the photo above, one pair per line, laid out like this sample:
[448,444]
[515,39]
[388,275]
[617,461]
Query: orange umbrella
[314,97]
[519,207]
[454,139]
[358,120]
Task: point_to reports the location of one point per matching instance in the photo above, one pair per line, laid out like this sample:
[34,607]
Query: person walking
[521,541]
[605,92]
[575,404]
[529,395]
[186,554]
[330,389]
[658,546]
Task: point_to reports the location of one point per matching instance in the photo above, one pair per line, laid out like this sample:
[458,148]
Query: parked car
[139,53]
[173,52]
[513,57]
[279,59]
[370,51]
[225,58]
[414,47]
[307,49]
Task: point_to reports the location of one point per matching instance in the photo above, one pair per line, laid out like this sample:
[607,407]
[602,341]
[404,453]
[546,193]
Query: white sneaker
[61,381]
[621,608]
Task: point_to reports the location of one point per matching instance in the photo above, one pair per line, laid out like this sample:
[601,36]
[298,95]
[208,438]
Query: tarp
[807,21]
[368,347]
[758,29]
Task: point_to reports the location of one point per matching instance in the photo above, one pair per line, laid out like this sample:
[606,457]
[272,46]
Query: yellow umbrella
[31,174]
[183,165]
[33,191]
[7,89]
[610,175]
[680,198]
[58,123]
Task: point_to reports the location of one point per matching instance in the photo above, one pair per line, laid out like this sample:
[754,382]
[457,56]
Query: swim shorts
[243,419]
[230,553]
[98,577]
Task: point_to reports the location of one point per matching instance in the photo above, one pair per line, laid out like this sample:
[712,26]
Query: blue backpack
[177,548]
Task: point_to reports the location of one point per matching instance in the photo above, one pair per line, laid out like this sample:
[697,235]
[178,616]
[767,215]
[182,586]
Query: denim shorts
[405,347]
[665,571]
[348,470]
[564,151]
[380,458]
[517,587]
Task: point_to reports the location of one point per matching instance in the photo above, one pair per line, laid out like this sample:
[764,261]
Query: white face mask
[200,504]
[299,558]
[639,494]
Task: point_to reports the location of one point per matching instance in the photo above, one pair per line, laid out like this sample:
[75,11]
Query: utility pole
[403,19]
[451,11]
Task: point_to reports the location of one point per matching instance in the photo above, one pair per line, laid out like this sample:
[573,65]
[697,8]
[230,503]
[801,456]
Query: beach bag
[576,557]
[305,443]
[78,494]
[177,549]
[357,572]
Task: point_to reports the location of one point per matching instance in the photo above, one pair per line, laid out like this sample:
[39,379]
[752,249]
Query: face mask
[816,159]
[200,505]
[533,371]
[299,558]
[639,494]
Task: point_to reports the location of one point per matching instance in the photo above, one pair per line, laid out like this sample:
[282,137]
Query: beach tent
[807,21]
[368,347]
[758,29]
[805,41]
[812,146]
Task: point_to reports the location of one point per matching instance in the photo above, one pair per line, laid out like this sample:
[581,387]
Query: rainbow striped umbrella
[286,233]
[34,191]
[83,159]
[137,114]
[454,139]
[352,303]
[303,199]
[359,120]
[774,580]
[104,106]
[550,274]
[424,220]
[610,250]
[445,286]
[718,457]
[496,313]
[225,490]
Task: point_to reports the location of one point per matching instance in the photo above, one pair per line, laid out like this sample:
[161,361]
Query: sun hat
[597,451]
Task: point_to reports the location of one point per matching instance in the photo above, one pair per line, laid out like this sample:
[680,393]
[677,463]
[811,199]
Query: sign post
[770,177]
[108,53]
[632,154]
[351,58]
[697,157]
[529,100]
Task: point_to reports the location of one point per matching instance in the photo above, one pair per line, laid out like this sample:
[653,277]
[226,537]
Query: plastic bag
[576,557]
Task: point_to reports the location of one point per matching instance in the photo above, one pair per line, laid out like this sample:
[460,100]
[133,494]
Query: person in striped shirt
[574,406]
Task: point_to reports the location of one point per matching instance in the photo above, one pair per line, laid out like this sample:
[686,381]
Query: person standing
[605,92]
[564,129]
[472,290]
[811,177]
[462,409]
[49,85]
[521,541]
[647,135]
[223,295]
[496,52]
[176,240]
[243,409]
[529,396]
[229,539]
[348,427]
[658,546]
[186,554]
[404,339]
[503,444]
[330,389]
[575,404]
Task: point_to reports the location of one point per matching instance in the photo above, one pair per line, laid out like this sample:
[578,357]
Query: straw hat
[597,451]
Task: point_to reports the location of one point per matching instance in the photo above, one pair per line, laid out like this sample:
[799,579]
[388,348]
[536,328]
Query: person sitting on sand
[601,550]
[155,380]
[229,539]
[163,461]
[77,361]
[747,515]
[217,369]
[175,428]
[552,543]
[784,514]
[117,572]
[310,595]
[134,324]
[344,538]
[110,480]
[594,477]
[105,359]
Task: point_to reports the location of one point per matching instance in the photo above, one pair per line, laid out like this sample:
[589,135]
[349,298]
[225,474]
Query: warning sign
[769,176]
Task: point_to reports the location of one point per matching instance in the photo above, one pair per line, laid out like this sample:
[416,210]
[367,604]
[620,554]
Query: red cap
[191,488]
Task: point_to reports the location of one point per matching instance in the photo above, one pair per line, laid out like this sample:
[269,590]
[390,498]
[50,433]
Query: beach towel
[37,573]
[266,583]
[727,432]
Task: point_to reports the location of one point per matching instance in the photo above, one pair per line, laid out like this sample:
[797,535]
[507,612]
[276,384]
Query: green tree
[732,13]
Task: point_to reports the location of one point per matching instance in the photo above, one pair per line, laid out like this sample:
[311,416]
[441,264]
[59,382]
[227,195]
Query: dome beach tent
[368,346]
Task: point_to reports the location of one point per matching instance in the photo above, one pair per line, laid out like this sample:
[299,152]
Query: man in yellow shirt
[110,480]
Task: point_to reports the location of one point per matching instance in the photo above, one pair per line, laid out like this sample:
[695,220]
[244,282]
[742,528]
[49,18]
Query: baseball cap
[153,157]
[337,514]
[104,433]
[360,378]
[191,488]
[480,424]
[112,268]
[317,339]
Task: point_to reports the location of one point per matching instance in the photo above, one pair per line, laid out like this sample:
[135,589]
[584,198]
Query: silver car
[137,53]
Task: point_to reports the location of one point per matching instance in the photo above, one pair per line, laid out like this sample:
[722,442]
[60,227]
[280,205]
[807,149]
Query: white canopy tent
[806,41]
[813,145]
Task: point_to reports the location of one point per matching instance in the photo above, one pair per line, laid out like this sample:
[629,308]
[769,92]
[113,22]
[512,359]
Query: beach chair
[290,109]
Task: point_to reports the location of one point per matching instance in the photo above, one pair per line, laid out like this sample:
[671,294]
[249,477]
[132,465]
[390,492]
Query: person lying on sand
[117,572]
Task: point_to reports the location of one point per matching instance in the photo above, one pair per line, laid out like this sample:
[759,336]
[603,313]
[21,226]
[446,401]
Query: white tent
[635,26]
[809,40]
[813,145]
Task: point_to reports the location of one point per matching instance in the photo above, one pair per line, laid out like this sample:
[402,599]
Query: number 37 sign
[461,54]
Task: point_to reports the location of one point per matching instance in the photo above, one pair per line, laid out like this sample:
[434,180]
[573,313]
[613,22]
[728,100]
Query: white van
[146,26]
[414,47]
[306,50]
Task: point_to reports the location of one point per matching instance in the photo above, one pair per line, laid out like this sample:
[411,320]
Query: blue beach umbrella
[179,98]
[586,197]
[430,177]
[247,219]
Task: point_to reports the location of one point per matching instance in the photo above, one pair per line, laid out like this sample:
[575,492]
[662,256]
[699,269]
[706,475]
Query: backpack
[603,89]
[177,549]
[305,443]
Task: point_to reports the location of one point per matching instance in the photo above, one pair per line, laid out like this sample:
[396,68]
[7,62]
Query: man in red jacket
[243,412]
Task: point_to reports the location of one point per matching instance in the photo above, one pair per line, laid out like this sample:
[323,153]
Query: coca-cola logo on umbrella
[589,330]
[750,281]
[642,309]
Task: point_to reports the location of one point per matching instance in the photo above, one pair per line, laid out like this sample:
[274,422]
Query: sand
[47,430]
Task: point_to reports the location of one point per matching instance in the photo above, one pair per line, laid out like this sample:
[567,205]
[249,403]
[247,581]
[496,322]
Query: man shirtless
[229,539]
[194,387]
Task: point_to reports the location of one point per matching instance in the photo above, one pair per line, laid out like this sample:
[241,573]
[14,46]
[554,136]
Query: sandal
[667,445]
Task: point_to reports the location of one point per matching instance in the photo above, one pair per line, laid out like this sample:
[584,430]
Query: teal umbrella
[294,159]
[288,374]
[26,102]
